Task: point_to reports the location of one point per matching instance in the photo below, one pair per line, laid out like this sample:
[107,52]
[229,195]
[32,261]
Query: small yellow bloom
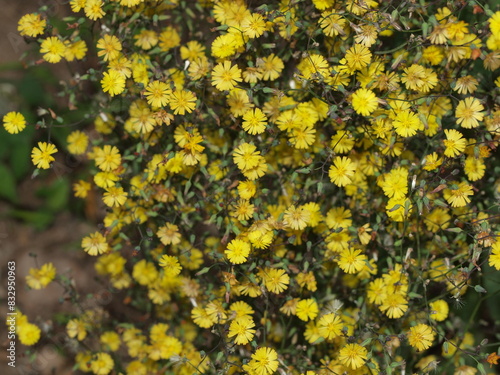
[42,155]
[14,122]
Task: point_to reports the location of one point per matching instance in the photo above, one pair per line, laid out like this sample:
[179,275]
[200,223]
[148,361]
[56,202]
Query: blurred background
[40,222]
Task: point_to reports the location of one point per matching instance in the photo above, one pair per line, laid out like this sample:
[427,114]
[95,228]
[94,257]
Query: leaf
[8,185]
[480,289]
[439,202]
[481,369]
[304,170]
[56,195]
[40,219]
[491,281]
[202,271]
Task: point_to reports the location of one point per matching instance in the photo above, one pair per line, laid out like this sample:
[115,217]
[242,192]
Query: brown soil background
[59,244]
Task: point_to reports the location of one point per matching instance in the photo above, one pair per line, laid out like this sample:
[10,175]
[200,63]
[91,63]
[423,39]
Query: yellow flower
[468,112]
[240,309]
[437,220]
[338,217]
[246,156]
[330,326]
[145,273]
[357,57]
[109,47]
[432,161]
[77,5]
[494,258]
[314,66]
[95,244]
[296,218]
[407,123]
[225,76]
[158,94]
[113,82]
[353,356]
[224,46]
[307,309]
[247,189]
[466,85]
[414,77]
[270,67]
[364,102]
[76,328]
[254,121]
[107,158]
[474,168]
[237,251]
[367,36]
[169,234]
[420,337]
[14,122]
[146,39]
[40,278]
[170,265]
[275,280]
[53,49]
[114,196]
[323,4]
[263,362]
[110,340]
[77,142]
[169,38]
[31,25]
[342,171]
[307,280]
[351,260]
[28,333]
[102,364]
[192,50]
[242,328]
[332,24]
[455,143]
[311,333]
[439,310]
[42,155]
[394,305]
[459,197]
[93,9]
[81,188]
[76,50]
[182,102]
[253,25]
[202,318]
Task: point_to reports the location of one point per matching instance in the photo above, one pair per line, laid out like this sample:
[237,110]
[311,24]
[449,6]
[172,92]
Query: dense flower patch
[309,187]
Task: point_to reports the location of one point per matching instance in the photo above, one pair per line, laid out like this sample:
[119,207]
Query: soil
[59,244]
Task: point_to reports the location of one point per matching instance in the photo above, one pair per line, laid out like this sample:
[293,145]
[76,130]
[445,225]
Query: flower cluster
[308,187]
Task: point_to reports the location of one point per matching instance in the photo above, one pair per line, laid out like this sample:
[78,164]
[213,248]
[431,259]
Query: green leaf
[8,185]
[366,342]
[39,219]
[56,195]
[480,289]
[491,281]
[481,369]
[304,170]
[202,271]
[439,202]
